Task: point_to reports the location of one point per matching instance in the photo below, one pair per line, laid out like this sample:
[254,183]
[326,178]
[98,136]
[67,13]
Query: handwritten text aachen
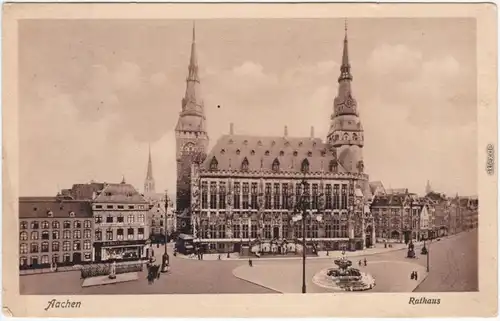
[55,304]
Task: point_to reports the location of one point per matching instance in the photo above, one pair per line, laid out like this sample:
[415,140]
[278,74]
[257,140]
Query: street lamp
[302,206]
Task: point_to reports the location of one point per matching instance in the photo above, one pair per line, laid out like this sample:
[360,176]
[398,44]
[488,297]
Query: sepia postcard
[250,160]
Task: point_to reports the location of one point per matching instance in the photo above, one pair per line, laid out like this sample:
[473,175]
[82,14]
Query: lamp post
[428,255]
[302,206]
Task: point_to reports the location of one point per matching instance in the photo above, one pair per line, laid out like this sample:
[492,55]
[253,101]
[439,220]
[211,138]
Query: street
[453,263]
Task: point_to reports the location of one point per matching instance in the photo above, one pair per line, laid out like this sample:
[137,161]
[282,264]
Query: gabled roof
[120,193]
[40,208]
[261,152]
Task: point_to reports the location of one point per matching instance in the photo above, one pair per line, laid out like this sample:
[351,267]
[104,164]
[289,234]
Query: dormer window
[245,142]
[237,152]
[309,154]
[300,144]
[230,141]
[287,144]
[71,214]
[276,165]
[346,136]
[314,144]
[282,153]
[323,153]
[222,151]
[244,164]
[252,152]
[259,143]
[333,166]
[214,164]
[295,153]
[50,214]
[305,166]
[273,143]
[267,153]
[354,137]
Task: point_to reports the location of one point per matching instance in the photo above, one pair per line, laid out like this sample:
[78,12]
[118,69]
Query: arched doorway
[369,236]
[395,235]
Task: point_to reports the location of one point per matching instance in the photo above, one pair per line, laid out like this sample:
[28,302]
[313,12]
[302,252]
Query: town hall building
[246,189]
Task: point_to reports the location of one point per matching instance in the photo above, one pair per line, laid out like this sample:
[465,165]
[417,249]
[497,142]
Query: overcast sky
[95,93]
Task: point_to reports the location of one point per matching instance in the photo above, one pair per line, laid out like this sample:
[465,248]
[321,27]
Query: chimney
[231,129]
[286,131]
[312,132]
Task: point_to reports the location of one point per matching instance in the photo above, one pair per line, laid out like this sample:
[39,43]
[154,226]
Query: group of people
[414,275]
[361,262]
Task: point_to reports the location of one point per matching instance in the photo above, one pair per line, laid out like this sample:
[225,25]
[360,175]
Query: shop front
[120,250]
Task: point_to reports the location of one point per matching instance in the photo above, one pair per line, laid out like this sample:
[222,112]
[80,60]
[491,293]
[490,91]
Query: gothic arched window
[214,164]
[244,164]
[354,136]
[276,165]
[305,165]
[346,136]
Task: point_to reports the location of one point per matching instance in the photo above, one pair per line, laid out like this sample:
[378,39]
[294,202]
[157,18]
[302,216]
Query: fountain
[344,277]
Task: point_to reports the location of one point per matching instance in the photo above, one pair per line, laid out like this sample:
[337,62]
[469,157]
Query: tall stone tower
[191,139]
[149,182]
[346,132]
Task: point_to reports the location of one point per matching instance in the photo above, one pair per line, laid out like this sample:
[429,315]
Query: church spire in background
[149,182]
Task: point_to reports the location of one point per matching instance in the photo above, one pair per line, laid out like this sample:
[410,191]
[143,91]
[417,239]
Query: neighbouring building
[440,219]
[245,191]
[120,220]
[400,216]
[54,229]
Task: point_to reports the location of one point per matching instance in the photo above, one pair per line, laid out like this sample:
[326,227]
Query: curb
[255,283]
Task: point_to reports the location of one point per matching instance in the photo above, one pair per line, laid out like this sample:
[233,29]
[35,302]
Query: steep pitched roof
[40,208]
[85,191]
[261,152]
[376,185]
[120,193]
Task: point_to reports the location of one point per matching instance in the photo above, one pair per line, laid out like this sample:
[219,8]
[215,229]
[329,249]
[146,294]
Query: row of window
[245,164]
[44,247]
[277,196]
[77,234]
[55,224]
[120,234]
[337,229]
[120,219]
[120,207]
[44,259]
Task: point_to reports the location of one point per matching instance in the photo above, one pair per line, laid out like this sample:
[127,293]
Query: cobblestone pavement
[286,277]
[453,264]
[453,268]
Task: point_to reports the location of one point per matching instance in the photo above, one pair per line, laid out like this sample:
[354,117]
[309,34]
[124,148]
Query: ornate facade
[245,191]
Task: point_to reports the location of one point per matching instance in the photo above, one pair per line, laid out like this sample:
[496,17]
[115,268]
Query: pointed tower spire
[345,68]
[149,182]
[149,174]
[192,103]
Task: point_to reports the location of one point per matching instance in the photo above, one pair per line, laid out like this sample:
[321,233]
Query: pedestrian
[228,255]
[413,275]
[327,253]
[218,258]
[359,263]
[152,252]
[365,261]
[416,276]
[250,263]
